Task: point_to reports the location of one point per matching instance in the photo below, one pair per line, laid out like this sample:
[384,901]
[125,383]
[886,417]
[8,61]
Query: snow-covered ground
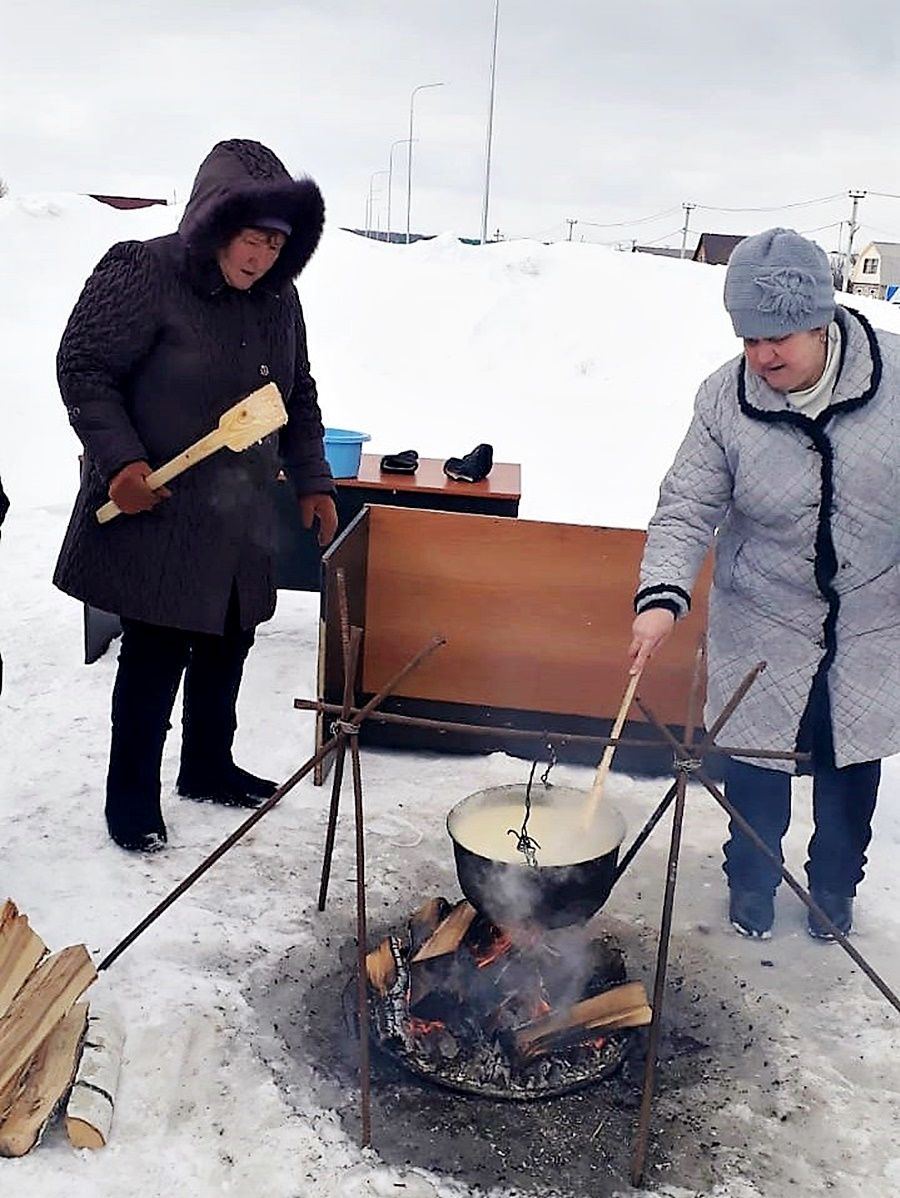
[580,363]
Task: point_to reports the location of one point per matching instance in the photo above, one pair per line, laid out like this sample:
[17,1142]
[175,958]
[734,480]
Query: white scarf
[815,399]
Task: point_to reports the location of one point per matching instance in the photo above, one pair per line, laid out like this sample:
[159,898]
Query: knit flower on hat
[787,292]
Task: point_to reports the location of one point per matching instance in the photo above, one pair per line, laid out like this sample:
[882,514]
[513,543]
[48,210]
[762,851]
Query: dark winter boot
[229,787]
[752,912]
[136,841]
[838,908]
[473,467]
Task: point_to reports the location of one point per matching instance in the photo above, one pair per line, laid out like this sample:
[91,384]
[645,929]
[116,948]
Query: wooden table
[299,562]
[299,566]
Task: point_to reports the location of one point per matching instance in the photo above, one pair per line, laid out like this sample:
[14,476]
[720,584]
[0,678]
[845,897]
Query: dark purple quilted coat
[156,349]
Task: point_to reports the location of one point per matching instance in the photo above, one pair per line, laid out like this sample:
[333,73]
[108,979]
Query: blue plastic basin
[343,451]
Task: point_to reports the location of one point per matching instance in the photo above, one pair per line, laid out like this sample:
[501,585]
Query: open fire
[516,1013]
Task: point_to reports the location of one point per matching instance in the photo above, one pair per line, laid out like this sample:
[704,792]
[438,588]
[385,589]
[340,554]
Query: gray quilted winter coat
[156,349]
[806,515]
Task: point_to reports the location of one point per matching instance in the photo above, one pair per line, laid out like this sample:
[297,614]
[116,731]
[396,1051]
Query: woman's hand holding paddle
[650,630]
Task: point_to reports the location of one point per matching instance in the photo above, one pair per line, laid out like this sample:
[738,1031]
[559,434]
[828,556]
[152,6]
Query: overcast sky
[605,111]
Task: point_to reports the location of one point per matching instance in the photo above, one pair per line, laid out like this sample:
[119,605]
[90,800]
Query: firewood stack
[52,1047]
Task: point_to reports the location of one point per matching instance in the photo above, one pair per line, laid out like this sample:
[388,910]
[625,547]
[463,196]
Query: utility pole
[688,209]
[490,130]
[855,196]
[571,224]
[370,209]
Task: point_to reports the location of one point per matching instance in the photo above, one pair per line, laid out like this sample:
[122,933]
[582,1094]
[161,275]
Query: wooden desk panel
[537,616]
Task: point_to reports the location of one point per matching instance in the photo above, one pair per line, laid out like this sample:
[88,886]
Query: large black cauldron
[580,860]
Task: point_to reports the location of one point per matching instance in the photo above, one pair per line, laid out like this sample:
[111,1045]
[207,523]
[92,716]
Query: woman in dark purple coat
[166,335]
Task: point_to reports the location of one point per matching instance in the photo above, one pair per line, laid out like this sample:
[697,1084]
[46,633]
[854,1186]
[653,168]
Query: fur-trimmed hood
[238,181]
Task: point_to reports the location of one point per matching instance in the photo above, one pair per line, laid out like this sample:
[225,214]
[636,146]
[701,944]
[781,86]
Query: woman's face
[249,255]
[790,363]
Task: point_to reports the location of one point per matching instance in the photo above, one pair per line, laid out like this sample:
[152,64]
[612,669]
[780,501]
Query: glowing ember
[424,1027]
[502,944]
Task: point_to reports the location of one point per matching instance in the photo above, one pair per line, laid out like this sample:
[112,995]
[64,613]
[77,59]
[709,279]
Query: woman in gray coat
[792,465]
[166,335]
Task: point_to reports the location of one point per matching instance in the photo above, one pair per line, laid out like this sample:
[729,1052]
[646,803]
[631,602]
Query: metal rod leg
[642,1136]
[361,942]
[642,836]
[340,754]
[350,652]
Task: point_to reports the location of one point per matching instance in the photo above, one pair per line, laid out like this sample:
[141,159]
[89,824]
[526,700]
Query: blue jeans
[843,806]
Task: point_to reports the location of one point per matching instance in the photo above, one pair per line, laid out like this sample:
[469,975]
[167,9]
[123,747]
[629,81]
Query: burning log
[390,1016]
[424,922]
[449,933]
[381,967]
[621,1007]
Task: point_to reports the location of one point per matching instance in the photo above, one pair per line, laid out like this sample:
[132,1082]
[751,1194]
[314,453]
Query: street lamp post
[370,219]
[409,158]
[402,142]
[490,130]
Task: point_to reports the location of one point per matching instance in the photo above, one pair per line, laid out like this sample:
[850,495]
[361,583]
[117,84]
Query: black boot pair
[143,832]
[752,913]
[473,467]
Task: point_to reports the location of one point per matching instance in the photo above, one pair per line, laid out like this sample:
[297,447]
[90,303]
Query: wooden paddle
[593,799]
[241,426]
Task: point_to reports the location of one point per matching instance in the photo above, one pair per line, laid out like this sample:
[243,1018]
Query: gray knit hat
[778,283]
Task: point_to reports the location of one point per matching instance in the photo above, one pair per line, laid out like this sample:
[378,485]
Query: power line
[778,207]
[665,237]
[621,224]
[820,228]
[633,242]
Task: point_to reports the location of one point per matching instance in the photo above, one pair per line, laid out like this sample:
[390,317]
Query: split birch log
[20,950]
[623,1006]
[449,933]
[44,1082]
[44,1000]
[240,427]
[89,1112]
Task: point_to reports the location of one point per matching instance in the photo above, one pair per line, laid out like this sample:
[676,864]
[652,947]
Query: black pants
[843,806]
[152,660]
